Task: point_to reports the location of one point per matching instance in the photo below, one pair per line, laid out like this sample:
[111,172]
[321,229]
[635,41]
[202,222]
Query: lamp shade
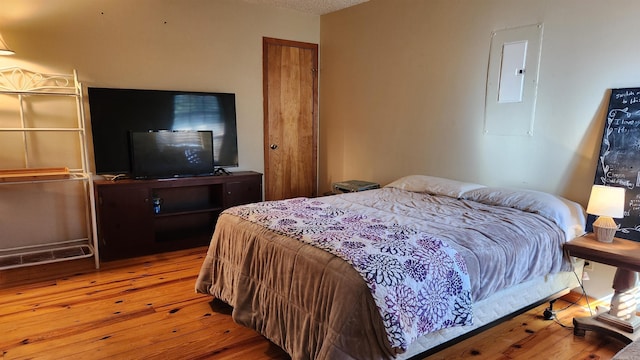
[606,201]
[4,49]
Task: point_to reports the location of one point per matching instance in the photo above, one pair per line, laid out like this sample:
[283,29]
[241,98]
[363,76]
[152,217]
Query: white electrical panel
[512,81]
[512,70]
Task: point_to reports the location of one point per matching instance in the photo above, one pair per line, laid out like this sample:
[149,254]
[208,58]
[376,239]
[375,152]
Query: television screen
[115,113]
[162,154]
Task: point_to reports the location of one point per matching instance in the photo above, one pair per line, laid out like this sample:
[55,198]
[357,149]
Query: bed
[389,273]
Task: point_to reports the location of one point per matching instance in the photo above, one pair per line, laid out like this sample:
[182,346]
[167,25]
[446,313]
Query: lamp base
[605,229]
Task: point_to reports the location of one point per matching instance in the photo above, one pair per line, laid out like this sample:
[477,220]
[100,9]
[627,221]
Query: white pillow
[568,215]
[433,185]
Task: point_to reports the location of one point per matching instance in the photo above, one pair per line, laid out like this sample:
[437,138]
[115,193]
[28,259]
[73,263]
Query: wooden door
[290,82]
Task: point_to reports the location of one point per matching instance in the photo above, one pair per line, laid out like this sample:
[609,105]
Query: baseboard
[578,298]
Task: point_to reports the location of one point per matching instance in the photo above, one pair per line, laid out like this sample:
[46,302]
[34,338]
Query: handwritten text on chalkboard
[619,161]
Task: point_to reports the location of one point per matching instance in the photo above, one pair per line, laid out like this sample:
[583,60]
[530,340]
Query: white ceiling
[317,7]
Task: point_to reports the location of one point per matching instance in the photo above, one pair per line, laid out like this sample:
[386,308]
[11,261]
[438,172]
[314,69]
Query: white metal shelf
[39,93]
[18,129]
[35,180]
[18,81]
[44,254]
[22,84]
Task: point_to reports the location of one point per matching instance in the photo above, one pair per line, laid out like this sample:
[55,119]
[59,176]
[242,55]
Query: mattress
[502,246]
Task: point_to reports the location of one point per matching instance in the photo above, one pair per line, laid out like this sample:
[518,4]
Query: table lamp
[607,202]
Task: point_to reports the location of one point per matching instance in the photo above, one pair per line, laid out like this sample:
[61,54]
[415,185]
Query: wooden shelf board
[11,175]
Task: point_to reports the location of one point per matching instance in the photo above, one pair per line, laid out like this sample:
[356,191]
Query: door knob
[273,146]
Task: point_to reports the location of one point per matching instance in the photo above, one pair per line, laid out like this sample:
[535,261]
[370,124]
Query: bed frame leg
[548,312]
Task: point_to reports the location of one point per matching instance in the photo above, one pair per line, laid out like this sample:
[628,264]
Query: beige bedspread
[316,306]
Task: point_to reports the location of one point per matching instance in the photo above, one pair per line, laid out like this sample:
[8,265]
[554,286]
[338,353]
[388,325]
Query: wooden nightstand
[621,321]
[353,186]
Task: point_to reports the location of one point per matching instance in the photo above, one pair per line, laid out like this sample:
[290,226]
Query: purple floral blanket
[419,283]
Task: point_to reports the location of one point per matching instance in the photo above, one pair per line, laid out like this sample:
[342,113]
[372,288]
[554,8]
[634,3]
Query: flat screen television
[116,113]
[164,154]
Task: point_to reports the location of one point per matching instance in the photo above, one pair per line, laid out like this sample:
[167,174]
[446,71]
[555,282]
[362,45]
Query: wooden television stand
[141,217]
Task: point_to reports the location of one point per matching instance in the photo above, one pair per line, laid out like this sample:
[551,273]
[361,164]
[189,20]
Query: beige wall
[200,45]
[403,86]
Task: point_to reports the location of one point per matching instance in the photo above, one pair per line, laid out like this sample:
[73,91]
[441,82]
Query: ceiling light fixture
[4,49]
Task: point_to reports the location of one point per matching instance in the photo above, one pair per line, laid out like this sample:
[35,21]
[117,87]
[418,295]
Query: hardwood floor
[147,308]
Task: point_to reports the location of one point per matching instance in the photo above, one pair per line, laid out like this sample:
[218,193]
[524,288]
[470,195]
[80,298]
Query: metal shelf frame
[21,83]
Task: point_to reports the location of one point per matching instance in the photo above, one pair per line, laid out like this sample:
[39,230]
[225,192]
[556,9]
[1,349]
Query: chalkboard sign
[619,161]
